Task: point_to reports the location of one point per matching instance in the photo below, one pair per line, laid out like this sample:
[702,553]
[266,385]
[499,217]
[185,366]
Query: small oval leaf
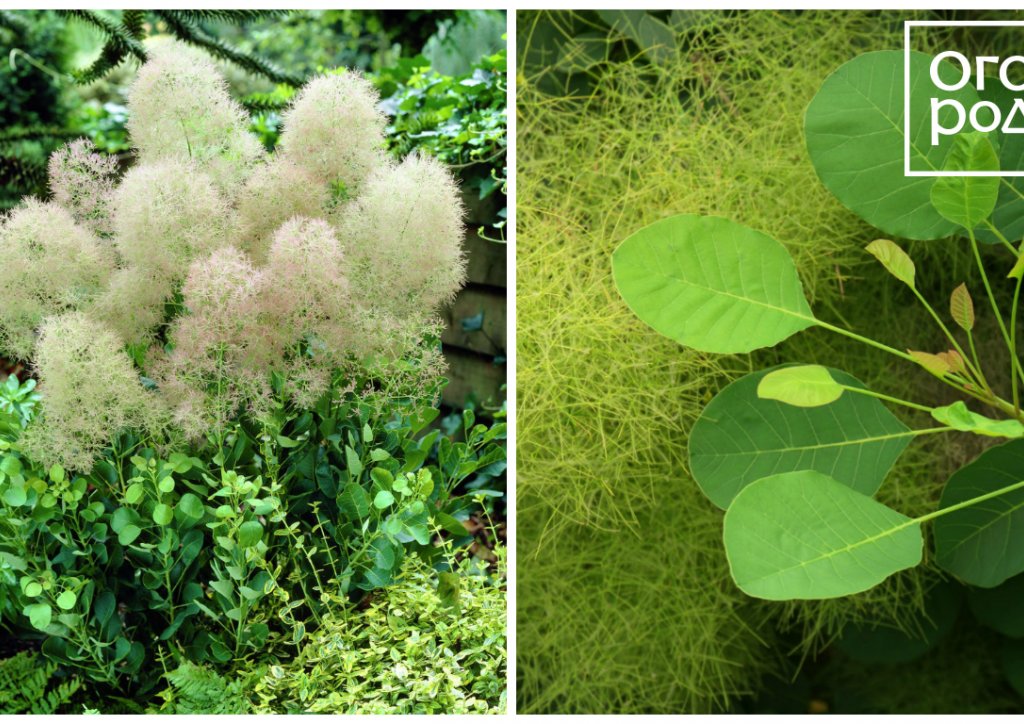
[128,534]
[959,417]
[191,506]
[134,493]
[67,600]
[249,533]
[967,200]
[800,386]
[934,363]
[162,514]
[961,307]
[383,499]
[894,259]
[39,615]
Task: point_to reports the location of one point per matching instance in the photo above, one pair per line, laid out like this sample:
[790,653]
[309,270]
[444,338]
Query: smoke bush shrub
[237,357]
[224,264]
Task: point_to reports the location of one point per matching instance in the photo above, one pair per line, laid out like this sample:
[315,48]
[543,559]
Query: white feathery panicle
[50,265]
[133,304]
[91,391]
[167,214]
[274,193]
[335,130]
[221,356]
[81,181]
[180,109]
[403,235]
[306,297]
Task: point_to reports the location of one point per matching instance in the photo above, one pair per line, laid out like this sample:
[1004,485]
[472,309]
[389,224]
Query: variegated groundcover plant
[795,454]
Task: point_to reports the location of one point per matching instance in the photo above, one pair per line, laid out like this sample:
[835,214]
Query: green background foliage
[618,130]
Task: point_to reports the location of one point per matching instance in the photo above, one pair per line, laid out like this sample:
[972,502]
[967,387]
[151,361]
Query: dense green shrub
[228,443]
[410,651]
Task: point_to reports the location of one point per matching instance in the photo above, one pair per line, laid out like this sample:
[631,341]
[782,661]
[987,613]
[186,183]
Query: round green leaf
[166,485]
[15,496]
[855,138]
[134,493]
[33,589]
[967,200]
[122,517]
[191,506]
[803,535]
[983,545]
[800,386]
[711,284]
[740,438]
[1000,608]
[383,499]
[67,600]
[162,514]
[39,615]
[128,534]
[249,533]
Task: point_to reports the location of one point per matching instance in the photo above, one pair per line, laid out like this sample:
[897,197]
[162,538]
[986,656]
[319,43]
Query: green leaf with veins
[1008,216]
[961,308]
[984,545]
[959,417]
[803,535]
[894,259]
[740,438]
[711,284]
[855,138]
[968,200]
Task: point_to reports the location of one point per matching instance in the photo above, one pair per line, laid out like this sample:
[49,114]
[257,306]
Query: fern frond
[28,686]
[198,690]
[111,57]
[186,30]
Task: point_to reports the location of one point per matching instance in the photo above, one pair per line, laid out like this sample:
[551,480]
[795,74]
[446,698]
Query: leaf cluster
[801,522]
[411,651]
[224,554]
